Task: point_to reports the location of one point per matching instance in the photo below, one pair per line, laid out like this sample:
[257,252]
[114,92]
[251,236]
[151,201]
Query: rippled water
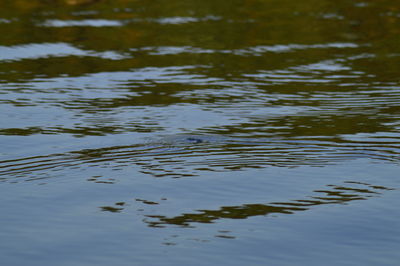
[246,132]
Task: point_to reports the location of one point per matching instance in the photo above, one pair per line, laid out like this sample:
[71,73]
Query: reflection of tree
[273,23]
[80,2]
[332,195]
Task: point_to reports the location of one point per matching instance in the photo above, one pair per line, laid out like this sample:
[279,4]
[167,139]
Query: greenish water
[243,132]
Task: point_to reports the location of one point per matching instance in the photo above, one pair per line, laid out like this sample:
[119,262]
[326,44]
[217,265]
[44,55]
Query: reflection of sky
[120,79]
[290,102]
[331,194]
[249,51]
[85,23]
[117,23]
[44,50]
[347,228]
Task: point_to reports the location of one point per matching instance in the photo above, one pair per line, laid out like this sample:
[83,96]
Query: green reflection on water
[332,195]
[218,87]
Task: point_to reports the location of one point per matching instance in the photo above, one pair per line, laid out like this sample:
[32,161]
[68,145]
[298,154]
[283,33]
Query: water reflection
[98,94]
[333,194]
[80,2]
[191,155]
[46,50]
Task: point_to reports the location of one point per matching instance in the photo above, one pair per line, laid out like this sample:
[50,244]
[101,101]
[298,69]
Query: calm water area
[181,132]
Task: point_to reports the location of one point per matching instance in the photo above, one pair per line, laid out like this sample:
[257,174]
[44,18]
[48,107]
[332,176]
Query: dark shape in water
[334,195]
[194,140]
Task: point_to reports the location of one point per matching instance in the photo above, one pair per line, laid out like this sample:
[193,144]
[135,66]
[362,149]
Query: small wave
[183,155]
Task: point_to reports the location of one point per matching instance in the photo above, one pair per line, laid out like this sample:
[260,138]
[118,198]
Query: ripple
[190,155]
[248,51]
[176,20]
[82,23]
[46,50]
[280,48]
[143,76]
[5,21]
[58,23]
[211,115]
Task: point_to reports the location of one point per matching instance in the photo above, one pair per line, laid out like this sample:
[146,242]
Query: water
[199,132]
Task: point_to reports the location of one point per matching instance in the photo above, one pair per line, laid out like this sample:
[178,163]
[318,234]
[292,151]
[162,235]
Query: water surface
[246,132]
